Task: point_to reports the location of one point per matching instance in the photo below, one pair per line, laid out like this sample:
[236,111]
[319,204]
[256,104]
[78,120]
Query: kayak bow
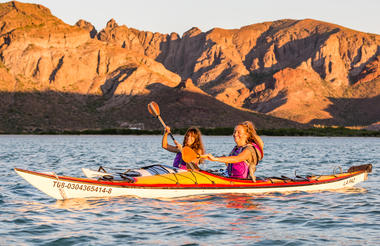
[187,183]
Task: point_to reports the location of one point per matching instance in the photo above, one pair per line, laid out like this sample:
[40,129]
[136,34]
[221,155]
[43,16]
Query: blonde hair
[249,128]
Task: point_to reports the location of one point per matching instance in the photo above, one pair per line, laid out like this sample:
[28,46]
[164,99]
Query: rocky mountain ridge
[302,71]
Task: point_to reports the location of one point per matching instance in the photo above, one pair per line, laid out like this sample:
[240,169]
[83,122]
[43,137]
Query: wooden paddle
[155,111]
[189,155]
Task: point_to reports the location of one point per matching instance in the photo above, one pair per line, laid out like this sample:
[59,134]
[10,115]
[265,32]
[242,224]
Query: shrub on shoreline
[222,131]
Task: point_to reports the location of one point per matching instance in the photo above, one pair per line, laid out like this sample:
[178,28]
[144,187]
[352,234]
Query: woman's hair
[252,135]
[250,130]
[197,146]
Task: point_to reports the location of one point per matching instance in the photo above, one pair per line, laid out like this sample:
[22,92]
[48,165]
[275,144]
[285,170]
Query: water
[29,217]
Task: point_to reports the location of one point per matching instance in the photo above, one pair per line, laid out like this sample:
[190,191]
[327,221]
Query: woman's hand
[210,157]
[167,130]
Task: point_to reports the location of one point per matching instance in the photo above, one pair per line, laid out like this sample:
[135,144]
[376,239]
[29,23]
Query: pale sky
[166,16]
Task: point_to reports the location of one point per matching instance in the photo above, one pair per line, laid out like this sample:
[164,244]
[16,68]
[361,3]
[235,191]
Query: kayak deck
[197,182]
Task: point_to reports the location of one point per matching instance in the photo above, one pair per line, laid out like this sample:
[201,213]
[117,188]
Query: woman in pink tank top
[242,161]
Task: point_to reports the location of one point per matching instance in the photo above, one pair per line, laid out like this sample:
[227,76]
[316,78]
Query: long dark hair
[197,146]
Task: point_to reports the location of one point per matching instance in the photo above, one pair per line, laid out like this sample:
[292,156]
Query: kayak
[171,184]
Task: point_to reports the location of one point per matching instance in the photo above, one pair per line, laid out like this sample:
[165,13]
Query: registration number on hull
[83,187]
[349,181]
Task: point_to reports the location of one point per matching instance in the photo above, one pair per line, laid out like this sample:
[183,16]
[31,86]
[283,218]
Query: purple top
[178,162]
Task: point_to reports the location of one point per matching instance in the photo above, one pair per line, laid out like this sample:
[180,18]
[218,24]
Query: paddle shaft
[155,110]
[164,125]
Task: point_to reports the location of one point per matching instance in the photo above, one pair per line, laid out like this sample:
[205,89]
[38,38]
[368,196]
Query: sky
[166,16]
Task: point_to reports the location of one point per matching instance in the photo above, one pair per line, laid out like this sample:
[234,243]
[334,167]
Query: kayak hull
[191,183]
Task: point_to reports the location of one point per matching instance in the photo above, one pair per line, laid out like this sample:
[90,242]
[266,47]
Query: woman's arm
[252,169]
[243,156]
[165,145]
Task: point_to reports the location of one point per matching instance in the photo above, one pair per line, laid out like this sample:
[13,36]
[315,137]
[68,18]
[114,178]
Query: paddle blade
[189,155]
[154,109]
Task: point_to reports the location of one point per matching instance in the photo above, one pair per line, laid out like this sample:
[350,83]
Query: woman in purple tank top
[192,139]
[242,161]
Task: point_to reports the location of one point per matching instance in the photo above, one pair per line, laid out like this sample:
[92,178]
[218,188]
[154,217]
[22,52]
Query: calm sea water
[29,217]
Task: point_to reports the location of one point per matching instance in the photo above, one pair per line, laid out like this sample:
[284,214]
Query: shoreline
[225,131]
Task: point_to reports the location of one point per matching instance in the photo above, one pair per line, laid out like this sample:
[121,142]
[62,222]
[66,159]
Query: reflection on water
[29,217]
[196,202]
[81,203]
[241,202]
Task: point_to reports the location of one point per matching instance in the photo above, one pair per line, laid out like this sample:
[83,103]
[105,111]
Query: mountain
[286,73]
[303,70]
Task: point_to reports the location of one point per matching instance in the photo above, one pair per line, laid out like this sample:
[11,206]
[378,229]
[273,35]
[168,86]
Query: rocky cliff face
[290,69]
[300,70]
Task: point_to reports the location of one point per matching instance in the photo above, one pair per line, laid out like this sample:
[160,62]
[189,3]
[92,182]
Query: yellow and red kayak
[185,183]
